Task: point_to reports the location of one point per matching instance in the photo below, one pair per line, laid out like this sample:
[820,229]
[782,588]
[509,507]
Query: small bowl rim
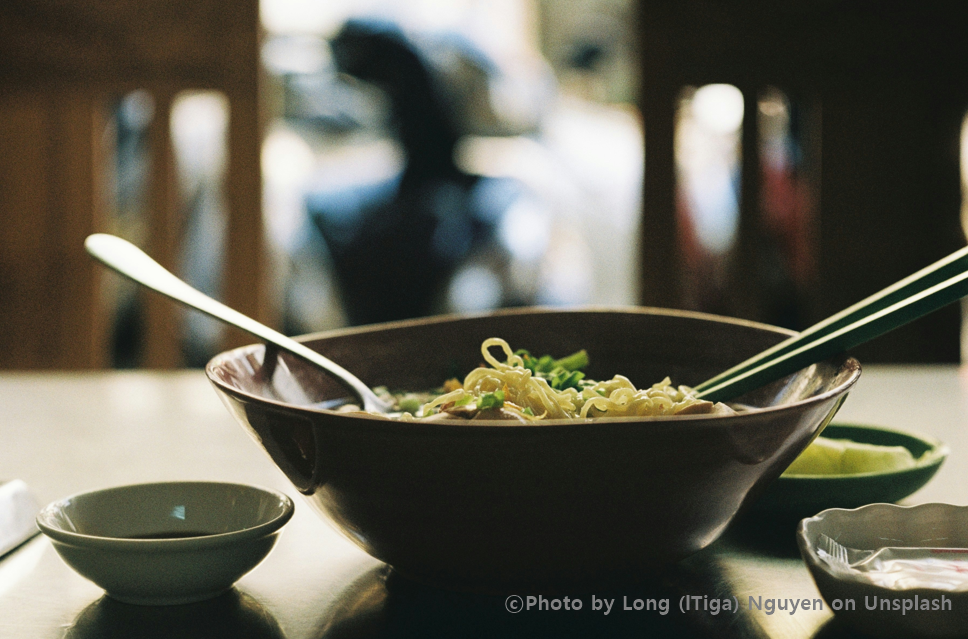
[502,425]
[45,522]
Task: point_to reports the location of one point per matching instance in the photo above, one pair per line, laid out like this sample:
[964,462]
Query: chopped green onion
[409,404]
[573,362]
[562,379]
[491,400]
[547,364]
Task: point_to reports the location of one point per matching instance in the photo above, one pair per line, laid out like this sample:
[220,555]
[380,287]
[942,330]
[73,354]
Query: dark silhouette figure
[395,244]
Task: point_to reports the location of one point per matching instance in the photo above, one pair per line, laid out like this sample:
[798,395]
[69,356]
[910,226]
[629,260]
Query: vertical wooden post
[23,193]
[660,279]
[162,325]
[746,263]
[49,288]
[246,266]
[79,209]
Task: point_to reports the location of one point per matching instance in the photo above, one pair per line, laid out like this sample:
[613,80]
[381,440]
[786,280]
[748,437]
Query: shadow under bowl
[492,506]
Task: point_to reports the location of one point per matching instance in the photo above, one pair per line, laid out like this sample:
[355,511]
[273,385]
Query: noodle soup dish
[497,505]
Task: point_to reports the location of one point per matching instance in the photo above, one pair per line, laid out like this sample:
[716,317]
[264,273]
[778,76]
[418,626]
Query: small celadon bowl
[166,543]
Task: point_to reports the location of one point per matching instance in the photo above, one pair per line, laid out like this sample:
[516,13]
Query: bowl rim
[503,425]
[47,524]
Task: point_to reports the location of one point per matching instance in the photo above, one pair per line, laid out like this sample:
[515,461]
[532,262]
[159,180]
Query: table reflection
[232,615]
[384,604]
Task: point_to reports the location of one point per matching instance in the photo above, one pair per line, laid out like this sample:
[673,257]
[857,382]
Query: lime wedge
[844,457]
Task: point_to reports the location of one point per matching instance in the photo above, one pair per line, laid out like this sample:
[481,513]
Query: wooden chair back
[61,64]
[883,90]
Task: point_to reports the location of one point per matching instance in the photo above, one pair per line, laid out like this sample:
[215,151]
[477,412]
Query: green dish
[809,494]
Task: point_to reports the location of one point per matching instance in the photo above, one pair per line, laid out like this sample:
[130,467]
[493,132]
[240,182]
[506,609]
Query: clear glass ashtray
[892,571]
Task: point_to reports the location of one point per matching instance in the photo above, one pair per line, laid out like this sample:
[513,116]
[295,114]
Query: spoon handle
[130,261]
[915,305]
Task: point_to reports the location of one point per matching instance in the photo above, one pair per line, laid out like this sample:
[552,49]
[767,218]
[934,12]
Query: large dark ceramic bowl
[491,506]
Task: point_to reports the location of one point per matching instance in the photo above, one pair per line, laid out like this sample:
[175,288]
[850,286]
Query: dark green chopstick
[929,276]
[853,334]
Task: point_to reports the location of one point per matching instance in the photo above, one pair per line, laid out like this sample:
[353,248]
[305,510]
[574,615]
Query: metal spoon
[130,261]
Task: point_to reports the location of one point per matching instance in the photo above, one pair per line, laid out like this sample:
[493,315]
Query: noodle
[510,389]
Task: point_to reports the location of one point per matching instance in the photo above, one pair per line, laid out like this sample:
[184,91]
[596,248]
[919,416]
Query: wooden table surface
[67,433]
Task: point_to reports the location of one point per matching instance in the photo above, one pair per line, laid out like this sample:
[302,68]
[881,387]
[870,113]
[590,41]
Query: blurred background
[321,164]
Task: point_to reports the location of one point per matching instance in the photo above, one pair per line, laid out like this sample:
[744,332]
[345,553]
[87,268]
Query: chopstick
[938,272]
[926,291]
